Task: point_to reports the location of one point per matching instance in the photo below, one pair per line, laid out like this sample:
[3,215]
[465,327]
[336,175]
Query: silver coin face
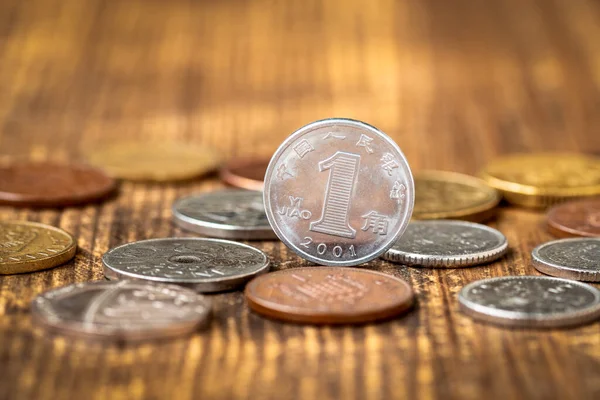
[205,265]
[447,243]
[228,214]
[125,310]
[535,301]
[338,192]
[577,258]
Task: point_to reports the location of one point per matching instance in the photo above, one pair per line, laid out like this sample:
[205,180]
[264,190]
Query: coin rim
[548,267]
[227,175]
[288,313]
[563,231]
[524,320]
[307,129]
[435,261]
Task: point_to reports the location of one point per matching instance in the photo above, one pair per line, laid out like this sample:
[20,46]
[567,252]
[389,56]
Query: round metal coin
[228,214]
[575,218]
[447,244]
[531,301]
[329,295]
[46,184]
[246,174]
[124,310]
[577,258]
[450,195]
[31,246]
[205,265]
[338,192]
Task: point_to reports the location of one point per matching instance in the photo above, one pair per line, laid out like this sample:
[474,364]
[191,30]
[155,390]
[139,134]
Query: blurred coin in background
[245,173]
[575,218]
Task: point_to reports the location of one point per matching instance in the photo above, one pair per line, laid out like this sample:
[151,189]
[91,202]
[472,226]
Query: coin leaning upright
[577,258]
[447,244]
[338,192]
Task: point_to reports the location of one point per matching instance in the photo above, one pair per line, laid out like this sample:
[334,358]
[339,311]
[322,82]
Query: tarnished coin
[338,192]
[577,258]
[246,174]
[450,195]
[540,180]
[47,184]
[229,214]
[447,244]
[329,295]
[575,218]
[30,246]
[205,265]
[148,161]
[121,311]
[530,301]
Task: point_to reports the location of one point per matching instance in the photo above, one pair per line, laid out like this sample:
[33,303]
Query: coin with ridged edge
[530,301]
[577,258]
[447,244]
[31,246]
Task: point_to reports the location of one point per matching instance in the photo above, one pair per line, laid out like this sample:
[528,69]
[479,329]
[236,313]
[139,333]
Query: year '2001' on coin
[338,192]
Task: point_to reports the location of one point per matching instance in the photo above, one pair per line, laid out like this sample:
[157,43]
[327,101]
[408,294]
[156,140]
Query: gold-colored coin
[450,195]
[31,246]
[154,161]
[543,179]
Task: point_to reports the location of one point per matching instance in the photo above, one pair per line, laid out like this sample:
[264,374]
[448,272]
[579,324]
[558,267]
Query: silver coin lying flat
[577,259]
[531,301]
[338,192]
[447,244]
[227,214]
[204,265]
[122,311]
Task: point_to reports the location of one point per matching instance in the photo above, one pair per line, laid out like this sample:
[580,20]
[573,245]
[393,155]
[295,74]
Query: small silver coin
[204,265]
[447,244]
[122,311]
[227,214]
[338,192]
[577,259]
[531,301]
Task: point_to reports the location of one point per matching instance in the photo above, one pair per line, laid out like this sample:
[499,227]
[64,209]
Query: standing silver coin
[447,244]
[569,258]
[123,311]
[204,265]
[338,192]
[531,301]
[227,214]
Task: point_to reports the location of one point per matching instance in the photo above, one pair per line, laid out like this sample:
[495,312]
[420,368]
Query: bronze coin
[575,218]
[246,173]
[329,295]
[48,184]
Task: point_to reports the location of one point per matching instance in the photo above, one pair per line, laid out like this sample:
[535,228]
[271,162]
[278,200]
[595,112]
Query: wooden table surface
[455,83]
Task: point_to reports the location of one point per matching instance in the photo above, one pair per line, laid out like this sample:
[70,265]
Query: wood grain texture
[455,83]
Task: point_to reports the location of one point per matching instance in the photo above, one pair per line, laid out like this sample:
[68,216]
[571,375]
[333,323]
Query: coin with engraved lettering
[227,214]
[329,295]
[447,244]
[48,184]
[205,265]
[121,311]
[450,195]
[31,246]
[576,258]
[531,301]
[338,192]
[246,173]
[575,218]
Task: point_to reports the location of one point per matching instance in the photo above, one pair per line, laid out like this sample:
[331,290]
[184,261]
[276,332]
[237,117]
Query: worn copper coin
[575,218]
[246,173]
[31,246]
[48,184]
[329,295]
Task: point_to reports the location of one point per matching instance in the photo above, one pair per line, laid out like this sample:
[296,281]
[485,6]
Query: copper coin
[246,173]
[329,295]
[48,184]
[575,218]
